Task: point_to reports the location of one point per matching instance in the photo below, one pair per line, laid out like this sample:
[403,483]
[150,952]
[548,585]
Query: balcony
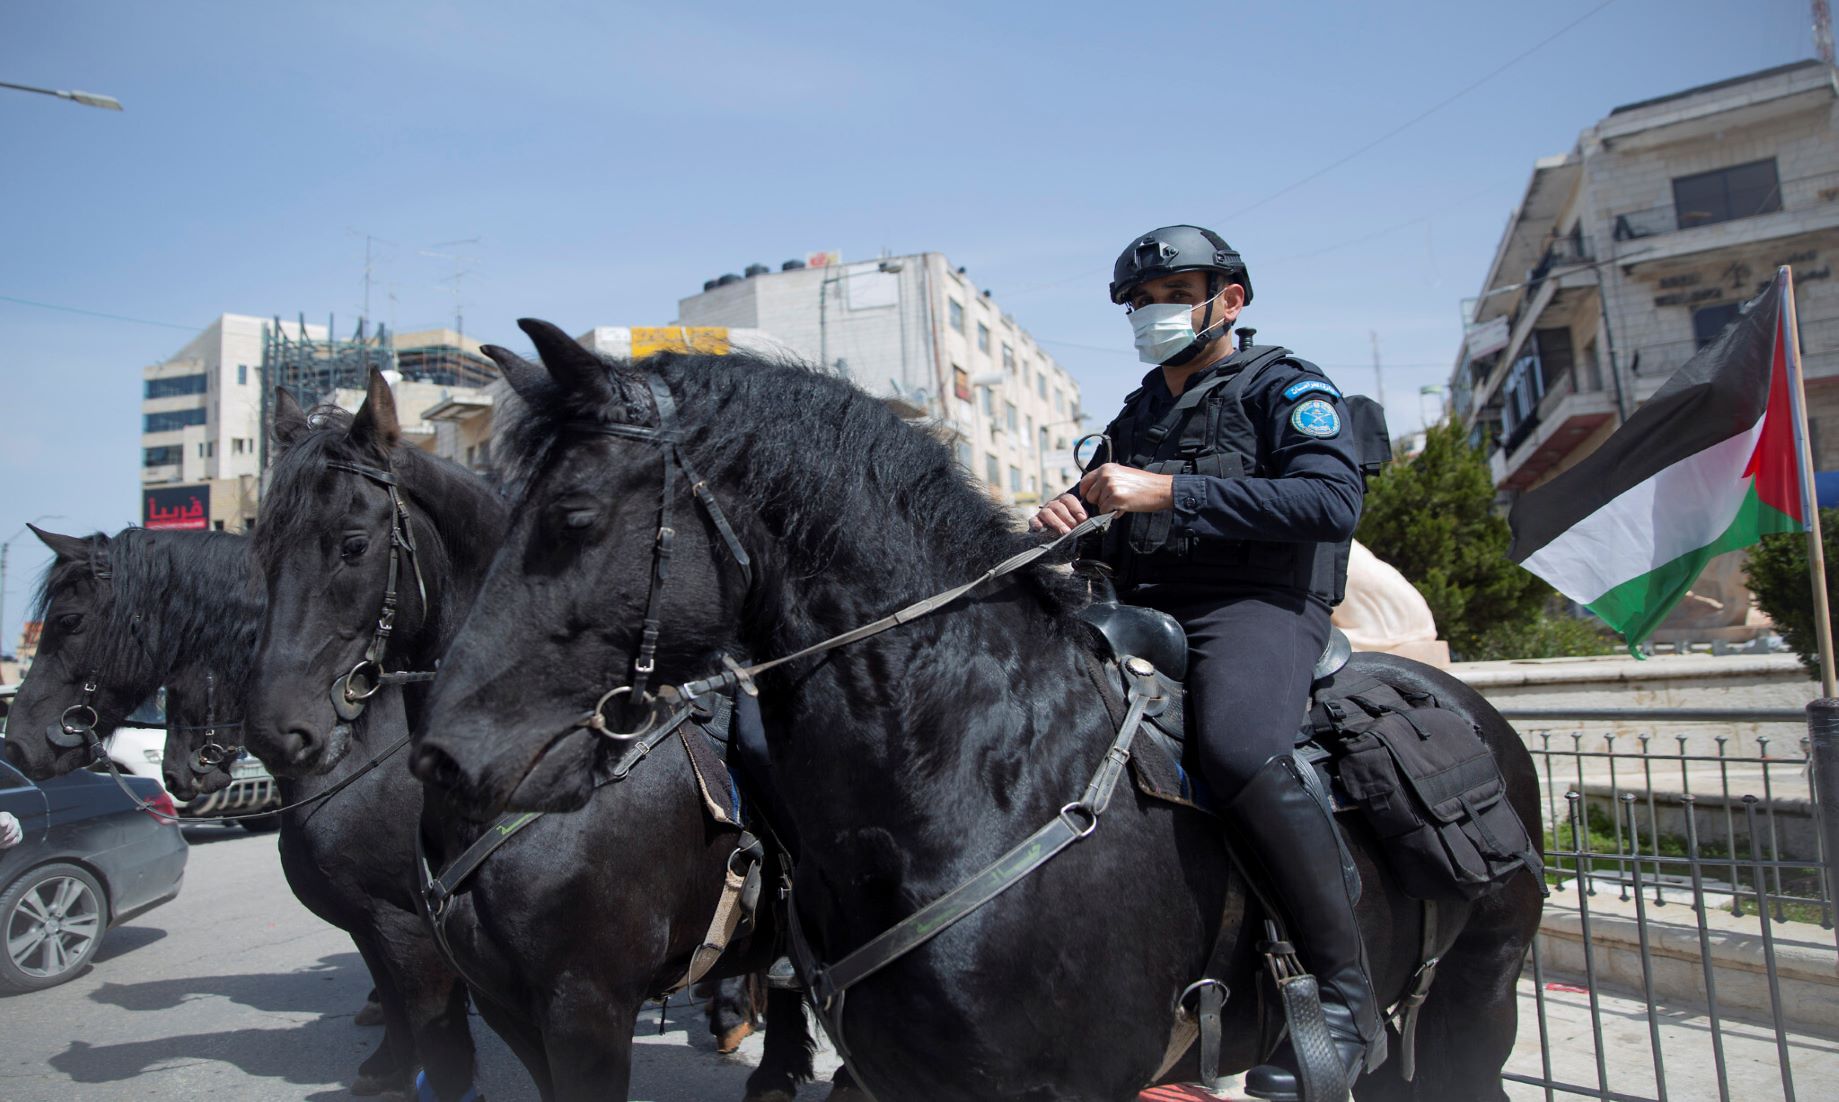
[1566,252]
[1565,417]
[1800,194]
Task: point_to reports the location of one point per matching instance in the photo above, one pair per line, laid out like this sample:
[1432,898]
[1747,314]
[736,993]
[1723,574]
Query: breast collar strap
[356,687]
[668,437]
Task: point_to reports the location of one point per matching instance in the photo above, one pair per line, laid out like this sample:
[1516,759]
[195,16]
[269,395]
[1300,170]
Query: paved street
[234,991]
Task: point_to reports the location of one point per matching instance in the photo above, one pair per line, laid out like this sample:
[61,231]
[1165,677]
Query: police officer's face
[1191,288]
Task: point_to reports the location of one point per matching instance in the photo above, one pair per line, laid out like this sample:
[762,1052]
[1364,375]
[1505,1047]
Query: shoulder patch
[1304,386]
[1316,418]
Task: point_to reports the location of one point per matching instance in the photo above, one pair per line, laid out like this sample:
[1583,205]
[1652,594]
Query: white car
[138,746]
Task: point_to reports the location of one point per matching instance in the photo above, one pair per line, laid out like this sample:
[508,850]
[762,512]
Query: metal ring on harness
[208,757]
[596,720]
[346,702]
[1076,808]
[1181,1000]
[68,734]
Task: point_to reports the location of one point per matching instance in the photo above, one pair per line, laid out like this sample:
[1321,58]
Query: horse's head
[337,549]
[203,733]
[613,581]
[92,667]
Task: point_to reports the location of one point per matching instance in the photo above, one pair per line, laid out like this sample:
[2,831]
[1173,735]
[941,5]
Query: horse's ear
[574,367]
[68,548]
[375,427]
[287,423]
[525,377]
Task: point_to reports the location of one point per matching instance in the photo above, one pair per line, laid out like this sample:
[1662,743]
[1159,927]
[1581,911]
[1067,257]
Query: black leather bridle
[668,437]
[351,692]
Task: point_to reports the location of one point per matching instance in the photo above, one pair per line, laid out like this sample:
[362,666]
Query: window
[1740,191]
[485,454]
[1059,402]
[172,419]
[1009,417]
[1043,440]
[175,386]
[1008,357]
[955,310]
[207,449]
[1709,322]
[961,383]
[242,374]
[236,445]
[967,458]
[1015,480]
[1040,385]
[989,403]
[166,456]
[993,470]
[983,337]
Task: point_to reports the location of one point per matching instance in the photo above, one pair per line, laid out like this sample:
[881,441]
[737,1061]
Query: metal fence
[1689,941]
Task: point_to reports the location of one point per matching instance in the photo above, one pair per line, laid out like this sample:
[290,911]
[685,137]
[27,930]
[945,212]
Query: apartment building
[915,332]
[1636,248]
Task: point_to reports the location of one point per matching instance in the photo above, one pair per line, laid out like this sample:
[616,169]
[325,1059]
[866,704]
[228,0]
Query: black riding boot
[1294,839]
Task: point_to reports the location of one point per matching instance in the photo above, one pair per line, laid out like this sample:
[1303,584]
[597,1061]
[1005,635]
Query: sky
[601,160]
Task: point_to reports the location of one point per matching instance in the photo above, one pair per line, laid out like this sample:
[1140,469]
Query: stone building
[917,333]
[1633,250]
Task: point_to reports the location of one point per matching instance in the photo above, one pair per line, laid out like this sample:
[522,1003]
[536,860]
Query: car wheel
[51,921]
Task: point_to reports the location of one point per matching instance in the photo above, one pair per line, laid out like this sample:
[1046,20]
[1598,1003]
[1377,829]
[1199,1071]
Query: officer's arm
[1313,489]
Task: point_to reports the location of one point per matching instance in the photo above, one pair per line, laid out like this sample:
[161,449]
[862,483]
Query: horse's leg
[520,1035]
[587,1033]
[1467,1027]
[434,1001]
[730,1013]
[389,1067]
[786,1062]
[843,1087]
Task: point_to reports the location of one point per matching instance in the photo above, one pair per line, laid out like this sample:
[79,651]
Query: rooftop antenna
[459,273]
[370,239]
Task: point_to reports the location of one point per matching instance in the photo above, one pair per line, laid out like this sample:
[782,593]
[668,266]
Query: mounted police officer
[1240,485]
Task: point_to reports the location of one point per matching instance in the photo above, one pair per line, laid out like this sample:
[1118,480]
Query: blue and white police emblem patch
[1316,418]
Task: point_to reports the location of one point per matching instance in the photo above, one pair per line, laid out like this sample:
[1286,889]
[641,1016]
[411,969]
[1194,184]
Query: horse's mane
[828,468]
[178,597]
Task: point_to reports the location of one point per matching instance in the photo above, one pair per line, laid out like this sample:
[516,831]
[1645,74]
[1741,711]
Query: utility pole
[459,273]
[1379,379]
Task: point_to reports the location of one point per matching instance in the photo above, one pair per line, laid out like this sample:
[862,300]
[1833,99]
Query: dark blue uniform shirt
[1309,486]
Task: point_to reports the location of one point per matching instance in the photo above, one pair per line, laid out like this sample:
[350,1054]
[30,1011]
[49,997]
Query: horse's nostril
[437,767]
[300,744]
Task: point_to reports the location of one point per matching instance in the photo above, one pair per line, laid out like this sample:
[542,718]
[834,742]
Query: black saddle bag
[1428,786]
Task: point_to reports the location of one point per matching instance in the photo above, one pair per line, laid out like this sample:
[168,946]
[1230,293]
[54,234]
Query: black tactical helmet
[1176,249]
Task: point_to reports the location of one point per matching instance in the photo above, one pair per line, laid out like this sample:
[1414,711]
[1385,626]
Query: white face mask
[1163,329]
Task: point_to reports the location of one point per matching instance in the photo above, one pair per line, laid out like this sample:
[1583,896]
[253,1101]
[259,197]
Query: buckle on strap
[1076,808]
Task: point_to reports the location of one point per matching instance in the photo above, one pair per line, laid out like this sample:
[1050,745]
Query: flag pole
[1816,549]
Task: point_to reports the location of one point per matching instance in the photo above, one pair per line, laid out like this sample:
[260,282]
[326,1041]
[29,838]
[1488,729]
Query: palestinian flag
[1708,465]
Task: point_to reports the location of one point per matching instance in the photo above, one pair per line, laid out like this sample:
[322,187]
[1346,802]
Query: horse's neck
[979,717]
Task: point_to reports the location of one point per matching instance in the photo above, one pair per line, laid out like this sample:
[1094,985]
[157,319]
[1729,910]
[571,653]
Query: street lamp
[3,551]
[87,99]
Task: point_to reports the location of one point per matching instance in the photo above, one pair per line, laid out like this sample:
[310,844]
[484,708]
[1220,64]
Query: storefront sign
[187,508]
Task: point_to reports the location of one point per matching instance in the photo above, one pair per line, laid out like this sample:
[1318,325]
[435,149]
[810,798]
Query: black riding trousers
[1251,658]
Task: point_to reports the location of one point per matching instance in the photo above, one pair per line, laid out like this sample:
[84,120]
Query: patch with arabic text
[1298,389]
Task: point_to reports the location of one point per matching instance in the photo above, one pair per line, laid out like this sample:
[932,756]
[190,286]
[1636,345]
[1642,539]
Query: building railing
[1565,252]
[1796,194]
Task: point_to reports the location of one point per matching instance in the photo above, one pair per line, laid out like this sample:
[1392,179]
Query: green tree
[1779,576]
[1433,518]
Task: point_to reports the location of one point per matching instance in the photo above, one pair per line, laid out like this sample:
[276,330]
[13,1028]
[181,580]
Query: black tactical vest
[1208,432]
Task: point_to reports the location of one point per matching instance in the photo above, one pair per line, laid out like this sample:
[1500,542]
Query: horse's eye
[354,547]
[70,623]
[579,518]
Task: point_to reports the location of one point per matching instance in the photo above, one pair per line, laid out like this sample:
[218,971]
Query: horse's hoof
[732,1039]
[372,1014]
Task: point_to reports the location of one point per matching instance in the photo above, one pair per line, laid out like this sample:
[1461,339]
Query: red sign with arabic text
[182,507]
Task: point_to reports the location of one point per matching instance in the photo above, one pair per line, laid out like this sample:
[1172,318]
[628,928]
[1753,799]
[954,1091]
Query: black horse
[143,609]
[912,759]
[568,928]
